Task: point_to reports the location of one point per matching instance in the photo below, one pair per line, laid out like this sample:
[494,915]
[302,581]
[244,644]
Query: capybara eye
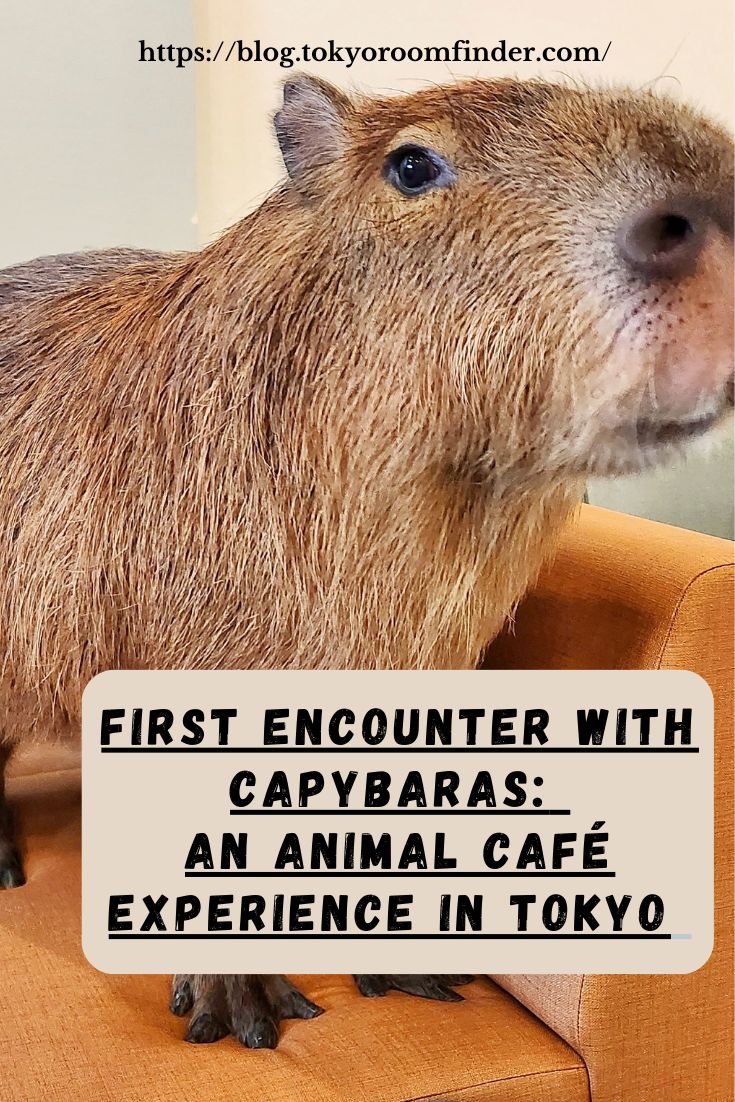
[414,170]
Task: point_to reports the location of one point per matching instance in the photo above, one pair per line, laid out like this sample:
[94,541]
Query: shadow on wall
[697,493]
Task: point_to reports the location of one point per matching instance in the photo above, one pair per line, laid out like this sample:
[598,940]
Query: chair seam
[489,1082]
[682,597]
[578,1027]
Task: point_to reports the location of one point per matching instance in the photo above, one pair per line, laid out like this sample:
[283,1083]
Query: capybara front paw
[248,1007]
[288,1001]
[426,987]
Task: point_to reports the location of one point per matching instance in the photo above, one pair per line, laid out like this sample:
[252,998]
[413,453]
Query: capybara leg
[426,987]
[11,866]
[249,1007]
[204,998]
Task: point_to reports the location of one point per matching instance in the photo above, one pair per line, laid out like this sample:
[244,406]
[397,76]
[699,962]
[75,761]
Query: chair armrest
[628,593]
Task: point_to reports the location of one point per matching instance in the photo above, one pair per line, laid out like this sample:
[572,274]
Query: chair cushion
[68,1032]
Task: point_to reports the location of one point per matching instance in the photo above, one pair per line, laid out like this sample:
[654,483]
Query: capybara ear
[310,127]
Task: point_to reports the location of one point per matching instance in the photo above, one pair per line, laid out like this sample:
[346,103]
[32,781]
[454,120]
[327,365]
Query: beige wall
[97,148]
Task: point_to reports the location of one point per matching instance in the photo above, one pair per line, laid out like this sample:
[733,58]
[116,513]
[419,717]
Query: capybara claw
[204,1029]
[308,1009]
[372,987]
[431,987]
[261,1034]
[436,987]
[182,999]
[11,869]
[289,1002]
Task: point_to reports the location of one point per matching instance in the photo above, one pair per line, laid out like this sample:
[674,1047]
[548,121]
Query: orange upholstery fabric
[626,593]
[71,1034]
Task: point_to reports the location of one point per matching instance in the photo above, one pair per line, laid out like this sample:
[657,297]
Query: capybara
[347,433]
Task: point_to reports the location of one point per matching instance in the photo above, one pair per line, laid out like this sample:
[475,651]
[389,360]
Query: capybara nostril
[665,239]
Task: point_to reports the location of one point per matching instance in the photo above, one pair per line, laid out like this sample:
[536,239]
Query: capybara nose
[663,241]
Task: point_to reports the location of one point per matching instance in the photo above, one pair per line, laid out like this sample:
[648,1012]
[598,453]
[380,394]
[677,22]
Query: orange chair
[622,593]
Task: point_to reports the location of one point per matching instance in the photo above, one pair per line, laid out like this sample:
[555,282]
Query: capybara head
[545,271]
[352,427]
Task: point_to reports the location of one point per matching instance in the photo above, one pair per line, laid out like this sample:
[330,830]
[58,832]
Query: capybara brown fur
[347,433]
